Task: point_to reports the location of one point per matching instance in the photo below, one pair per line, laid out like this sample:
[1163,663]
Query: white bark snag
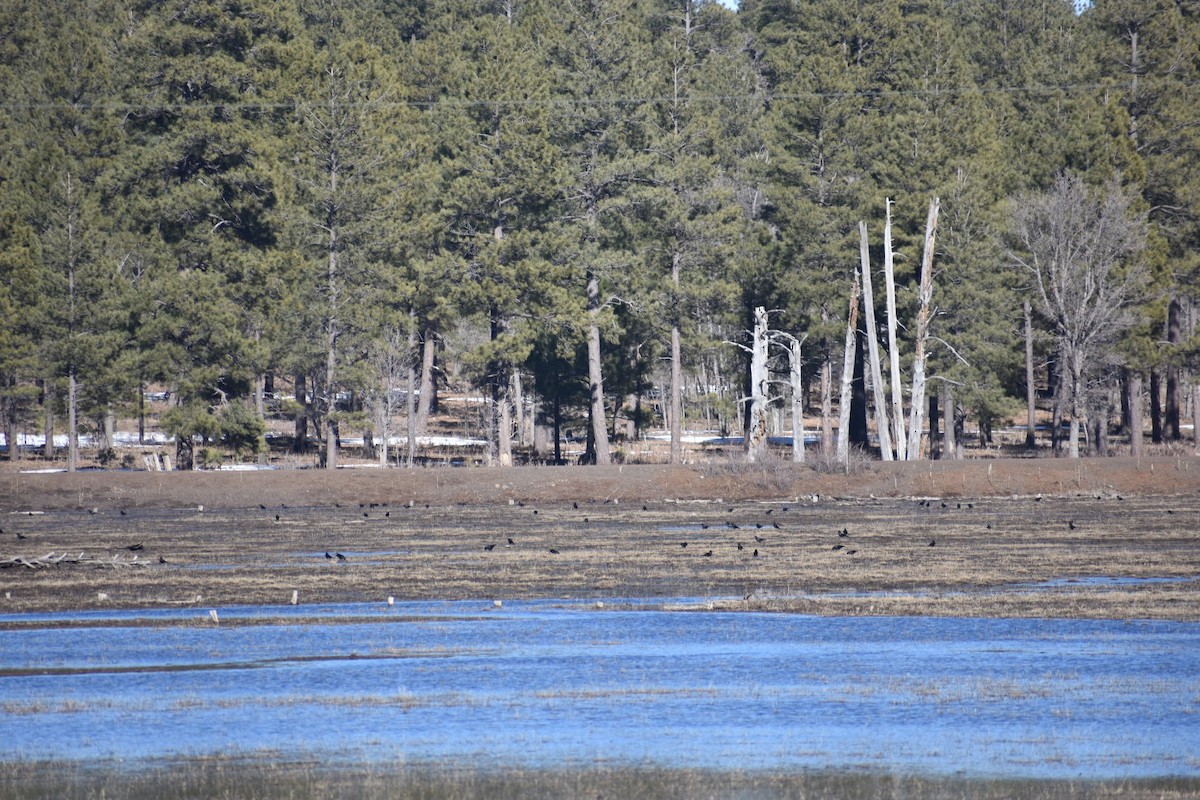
[923,314]
[756,434]
[889,274]
[797,401]
[843,440]
[881,407]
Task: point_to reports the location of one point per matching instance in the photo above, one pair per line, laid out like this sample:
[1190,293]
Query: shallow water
[552,683]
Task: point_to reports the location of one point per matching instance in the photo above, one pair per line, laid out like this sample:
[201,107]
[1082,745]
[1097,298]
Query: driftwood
[56,560]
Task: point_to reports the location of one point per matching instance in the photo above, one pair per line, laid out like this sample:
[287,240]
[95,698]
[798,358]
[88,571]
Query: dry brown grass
[619,533]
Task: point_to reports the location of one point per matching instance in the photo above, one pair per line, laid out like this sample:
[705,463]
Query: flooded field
[553,685]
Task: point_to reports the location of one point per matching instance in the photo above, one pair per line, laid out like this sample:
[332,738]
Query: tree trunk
[1030,386]
[826,405]
[595,376]
[1172,429]
[47,422]
[1133,390]
[881,405]
[1076,386]
[410,401]
[1196,413]
[522,422]
[675,414]
[843,443]
[935,433]
[756,427]
[949,443]
[1156,407]
[427,399]
[893,346]
[797,381]
[502,420]
[923,318]
[859,430]
[73,421]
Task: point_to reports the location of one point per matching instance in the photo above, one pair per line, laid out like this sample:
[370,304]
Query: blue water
[551,683]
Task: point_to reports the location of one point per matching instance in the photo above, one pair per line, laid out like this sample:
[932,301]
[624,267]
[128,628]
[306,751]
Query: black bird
[387,513]
[944,504]
[758,525]
[932,542]
[733,526]
[511,542]
[20,536]
[552,550]
[340,557]
[1071,524]
[776,525]
[959,505]
[328,556]
[122,512]
[838,546]
[707,553]
[645,509]
[970,505]
[535,512]
[489,547]
[851,552]
[704,525]
[785,508]
[135,547]
[365,514]
[162,560]
[277,518]
[731,509]
[575,504]
[261,506]
[585,519]
[844,532]
[989,526]
[756,552]
[769,510]
[759,539]
[683,544]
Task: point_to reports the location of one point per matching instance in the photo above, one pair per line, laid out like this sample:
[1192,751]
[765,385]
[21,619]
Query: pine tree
[200,191]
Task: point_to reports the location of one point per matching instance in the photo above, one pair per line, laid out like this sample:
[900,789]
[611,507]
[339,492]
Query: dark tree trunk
[935,434]
[1174,336]
[859,434]
[1156,424]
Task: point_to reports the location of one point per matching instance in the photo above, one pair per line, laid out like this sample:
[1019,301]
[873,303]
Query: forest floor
[1102,538]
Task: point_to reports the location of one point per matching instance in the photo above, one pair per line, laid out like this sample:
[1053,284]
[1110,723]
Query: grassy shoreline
[267,775]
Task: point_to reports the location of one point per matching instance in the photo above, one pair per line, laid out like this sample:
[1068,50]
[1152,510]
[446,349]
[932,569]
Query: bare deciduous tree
[1082,248]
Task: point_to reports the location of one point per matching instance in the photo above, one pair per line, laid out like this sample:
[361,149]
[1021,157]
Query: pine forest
[912,223]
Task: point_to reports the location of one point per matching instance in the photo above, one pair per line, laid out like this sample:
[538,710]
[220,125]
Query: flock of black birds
[771,524]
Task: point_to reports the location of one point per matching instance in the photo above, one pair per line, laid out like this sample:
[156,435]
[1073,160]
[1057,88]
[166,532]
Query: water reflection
[553,683]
